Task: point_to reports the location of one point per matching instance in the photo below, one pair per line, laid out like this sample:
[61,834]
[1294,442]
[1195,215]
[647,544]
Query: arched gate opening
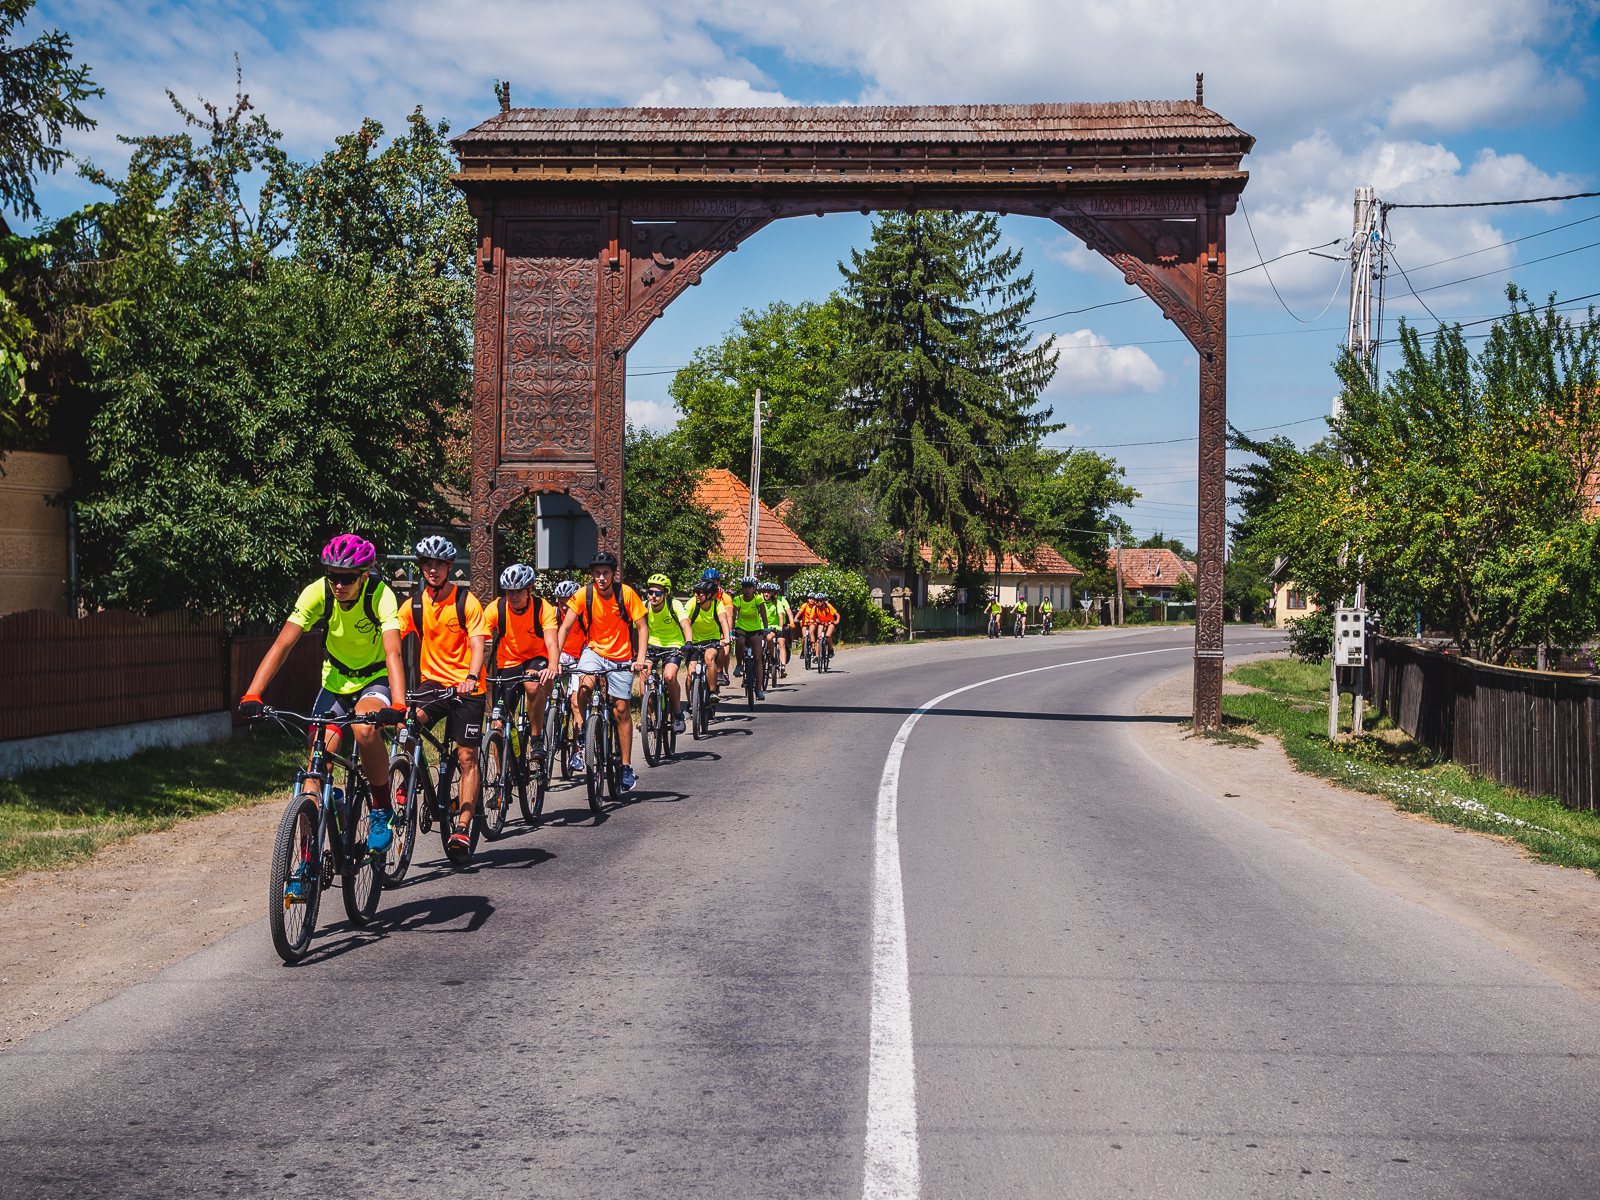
[591,221]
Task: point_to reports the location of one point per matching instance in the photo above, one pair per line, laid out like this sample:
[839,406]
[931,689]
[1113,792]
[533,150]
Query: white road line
[892,1171]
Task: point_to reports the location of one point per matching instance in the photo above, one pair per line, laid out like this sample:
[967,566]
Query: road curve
[1117,987]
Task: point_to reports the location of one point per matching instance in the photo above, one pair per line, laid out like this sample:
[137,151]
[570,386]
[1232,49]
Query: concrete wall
[33,534]
[111,742]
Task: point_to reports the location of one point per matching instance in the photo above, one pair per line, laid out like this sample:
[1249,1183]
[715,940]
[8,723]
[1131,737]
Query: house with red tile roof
[1154,573]
[779,548]
[1041,575]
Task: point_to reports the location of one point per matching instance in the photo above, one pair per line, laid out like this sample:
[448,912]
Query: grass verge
[56,817]
[1293,706]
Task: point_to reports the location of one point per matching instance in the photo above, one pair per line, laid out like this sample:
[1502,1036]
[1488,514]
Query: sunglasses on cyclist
[654,592]
[338,579]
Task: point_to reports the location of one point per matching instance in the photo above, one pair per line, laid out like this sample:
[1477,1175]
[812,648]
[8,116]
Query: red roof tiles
[1152,568]
[776,544]
[1043,561]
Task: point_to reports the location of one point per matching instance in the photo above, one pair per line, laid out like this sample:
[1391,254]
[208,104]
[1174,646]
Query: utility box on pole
[1349,637]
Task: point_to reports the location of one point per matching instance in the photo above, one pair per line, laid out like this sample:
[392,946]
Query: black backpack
[500,625]
[369,596]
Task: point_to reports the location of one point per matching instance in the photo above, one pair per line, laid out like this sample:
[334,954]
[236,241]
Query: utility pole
[1367,243]
[1119,575]
[755,489]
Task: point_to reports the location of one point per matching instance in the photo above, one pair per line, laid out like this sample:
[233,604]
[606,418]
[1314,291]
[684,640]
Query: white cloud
[1091,366]
[1505,93]
[721,91]
[659,415]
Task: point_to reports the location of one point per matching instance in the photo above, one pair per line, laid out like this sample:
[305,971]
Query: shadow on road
[423,915]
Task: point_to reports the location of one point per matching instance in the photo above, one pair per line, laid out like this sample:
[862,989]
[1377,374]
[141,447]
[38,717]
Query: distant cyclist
[750,629]
[781,620]
[522,629]
[1046,612]
[994,611]
[1020,613]
[612,618]
[724,599]
[450,625]
[361,654]
[827,619]
[668,622]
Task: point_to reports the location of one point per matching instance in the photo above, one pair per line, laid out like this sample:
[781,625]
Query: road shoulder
[80,935]
[1543,914]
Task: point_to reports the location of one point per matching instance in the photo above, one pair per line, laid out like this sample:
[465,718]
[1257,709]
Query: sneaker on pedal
[461,839]
[577,761]
[629,779]
[677,722]
[760,694]
[738,670]
[783,672]
[536,747]
[379,835]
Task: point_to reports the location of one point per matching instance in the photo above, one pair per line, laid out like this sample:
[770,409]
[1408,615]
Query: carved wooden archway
[591,221]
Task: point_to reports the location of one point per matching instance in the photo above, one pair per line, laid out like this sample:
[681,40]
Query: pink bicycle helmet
[349,551]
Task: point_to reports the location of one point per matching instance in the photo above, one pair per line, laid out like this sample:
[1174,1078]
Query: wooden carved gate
[591,221]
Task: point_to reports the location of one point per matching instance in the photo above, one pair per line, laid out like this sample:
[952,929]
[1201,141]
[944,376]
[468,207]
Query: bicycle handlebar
[278,714]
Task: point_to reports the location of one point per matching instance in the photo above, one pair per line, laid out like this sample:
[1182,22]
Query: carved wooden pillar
[1213,530]
[1174,248]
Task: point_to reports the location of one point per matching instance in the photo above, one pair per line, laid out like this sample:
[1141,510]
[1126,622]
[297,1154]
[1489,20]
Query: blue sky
[1431,102]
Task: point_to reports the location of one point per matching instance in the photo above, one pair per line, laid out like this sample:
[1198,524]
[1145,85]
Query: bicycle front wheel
[361,881]
[651,734]
[593,766]
[397,861]
[495,795]
[294,889]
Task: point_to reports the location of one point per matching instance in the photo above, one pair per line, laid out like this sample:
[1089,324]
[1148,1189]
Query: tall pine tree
[945,382]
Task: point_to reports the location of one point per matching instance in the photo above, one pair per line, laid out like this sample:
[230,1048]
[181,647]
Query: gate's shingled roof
[1139,120]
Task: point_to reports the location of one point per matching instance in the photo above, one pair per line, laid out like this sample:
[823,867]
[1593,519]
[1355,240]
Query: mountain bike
[659,741]
[806,640]
[698,690]
[503,762]
[769,665]
[323,833]
[1019,624]
[430,796]
[602,747]
[558,742]
[824,651]
[994,625]
[747,672]
[1044,624]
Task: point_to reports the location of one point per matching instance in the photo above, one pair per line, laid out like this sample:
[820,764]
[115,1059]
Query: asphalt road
[1117,987]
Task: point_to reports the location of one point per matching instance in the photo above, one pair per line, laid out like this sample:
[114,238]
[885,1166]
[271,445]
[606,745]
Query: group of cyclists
[600,634]
[1019,610]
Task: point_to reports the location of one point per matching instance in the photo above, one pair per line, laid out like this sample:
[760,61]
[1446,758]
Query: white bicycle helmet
[436,547]
[516,577]
[566,589]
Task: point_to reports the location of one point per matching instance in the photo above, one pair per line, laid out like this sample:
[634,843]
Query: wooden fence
[58,674]
[1531,730]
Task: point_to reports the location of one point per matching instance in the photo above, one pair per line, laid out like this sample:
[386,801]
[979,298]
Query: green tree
[792,353]
[242,423]
[1464,493]
[41,88]
[1071,499]
[1160,541]
[664,526]
[843,522]
[267,389]
[945,381]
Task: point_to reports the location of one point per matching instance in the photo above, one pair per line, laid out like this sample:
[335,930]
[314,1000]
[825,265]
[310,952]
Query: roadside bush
[1311,638]
[851,595]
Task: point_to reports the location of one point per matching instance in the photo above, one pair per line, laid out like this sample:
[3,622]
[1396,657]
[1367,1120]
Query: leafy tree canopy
[664,527]
[843,522]
[41,88]
[792,354]
[1466,493]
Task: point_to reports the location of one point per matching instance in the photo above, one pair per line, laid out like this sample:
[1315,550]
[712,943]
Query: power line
[1497,203]
[1263,265]
[1512,242]
[1418,299]
[1196,438]
[1513,267]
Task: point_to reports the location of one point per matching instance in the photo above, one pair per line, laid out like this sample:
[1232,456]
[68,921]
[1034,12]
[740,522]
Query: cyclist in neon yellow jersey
[781,619]
[710,621]
[361,655]
[750,629]
[668,623]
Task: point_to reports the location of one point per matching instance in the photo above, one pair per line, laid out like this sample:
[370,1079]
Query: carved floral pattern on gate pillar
[548,400]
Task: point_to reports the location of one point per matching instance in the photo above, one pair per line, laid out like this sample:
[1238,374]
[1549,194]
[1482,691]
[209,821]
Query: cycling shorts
[671,655]
[618,672]
[343,704]
[464,713]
